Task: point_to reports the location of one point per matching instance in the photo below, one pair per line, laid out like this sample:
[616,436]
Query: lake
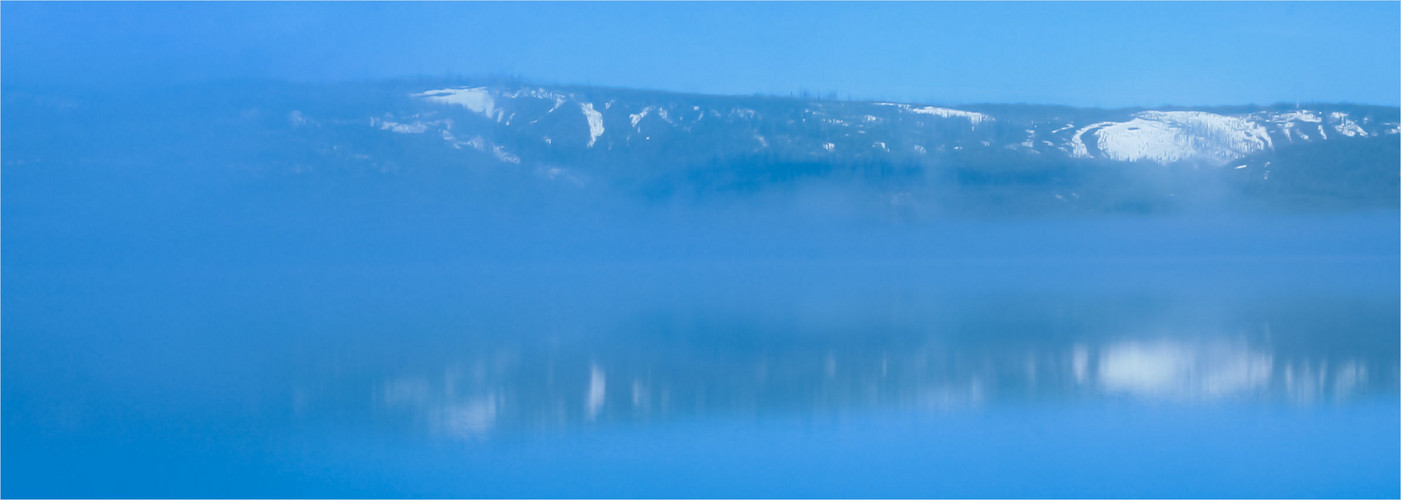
[1267,371]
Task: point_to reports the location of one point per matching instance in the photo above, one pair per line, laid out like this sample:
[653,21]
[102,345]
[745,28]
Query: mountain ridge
[1161,135]
[665,145]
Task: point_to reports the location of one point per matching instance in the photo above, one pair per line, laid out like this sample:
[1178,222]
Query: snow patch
[1169,136]
[538,93]
[1345,125]
[417,127]
[972,117]
[637,117]
[1077,141]
[501,154]
[1301,115]
[476,142]
[595,122]
[744,113]
[476,99]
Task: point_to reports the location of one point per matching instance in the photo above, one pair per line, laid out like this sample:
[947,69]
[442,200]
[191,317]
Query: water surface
[1131,377]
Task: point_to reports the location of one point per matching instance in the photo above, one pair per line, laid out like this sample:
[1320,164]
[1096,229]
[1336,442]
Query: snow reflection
[519,390]
[1177,369]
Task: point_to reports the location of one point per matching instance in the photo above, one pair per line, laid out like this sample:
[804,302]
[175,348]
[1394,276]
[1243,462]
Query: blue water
[1226,376]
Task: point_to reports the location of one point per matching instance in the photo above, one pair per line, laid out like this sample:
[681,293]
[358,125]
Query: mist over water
[256,289]
[380,336]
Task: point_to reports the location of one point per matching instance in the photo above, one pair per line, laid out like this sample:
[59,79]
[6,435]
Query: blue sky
[1087,54]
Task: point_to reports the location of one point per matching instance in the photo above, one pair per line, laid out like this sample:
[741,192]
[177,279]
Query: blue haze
[222,278]
[1072,53]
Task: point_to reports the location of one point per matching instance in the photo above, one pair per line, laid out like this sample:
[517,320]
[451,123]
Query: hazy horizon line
[490,79]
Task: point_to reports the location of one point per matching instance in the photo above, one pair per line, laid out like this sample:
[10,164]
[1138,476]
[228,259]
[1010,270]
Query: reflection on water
[1174,370]
[728,381]
[646,379]
[1171,369]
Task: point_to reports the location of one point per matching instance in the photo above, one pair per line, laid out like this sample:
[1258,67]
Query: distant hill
[660,146]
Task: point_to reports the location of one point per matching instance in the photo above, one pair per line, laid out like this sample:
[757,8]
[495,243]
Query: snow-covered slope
[536,125]
[662,145]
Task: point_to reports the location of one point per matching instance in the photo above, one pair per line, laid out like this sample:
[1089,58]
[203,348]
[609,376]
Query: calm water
[1221,377]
